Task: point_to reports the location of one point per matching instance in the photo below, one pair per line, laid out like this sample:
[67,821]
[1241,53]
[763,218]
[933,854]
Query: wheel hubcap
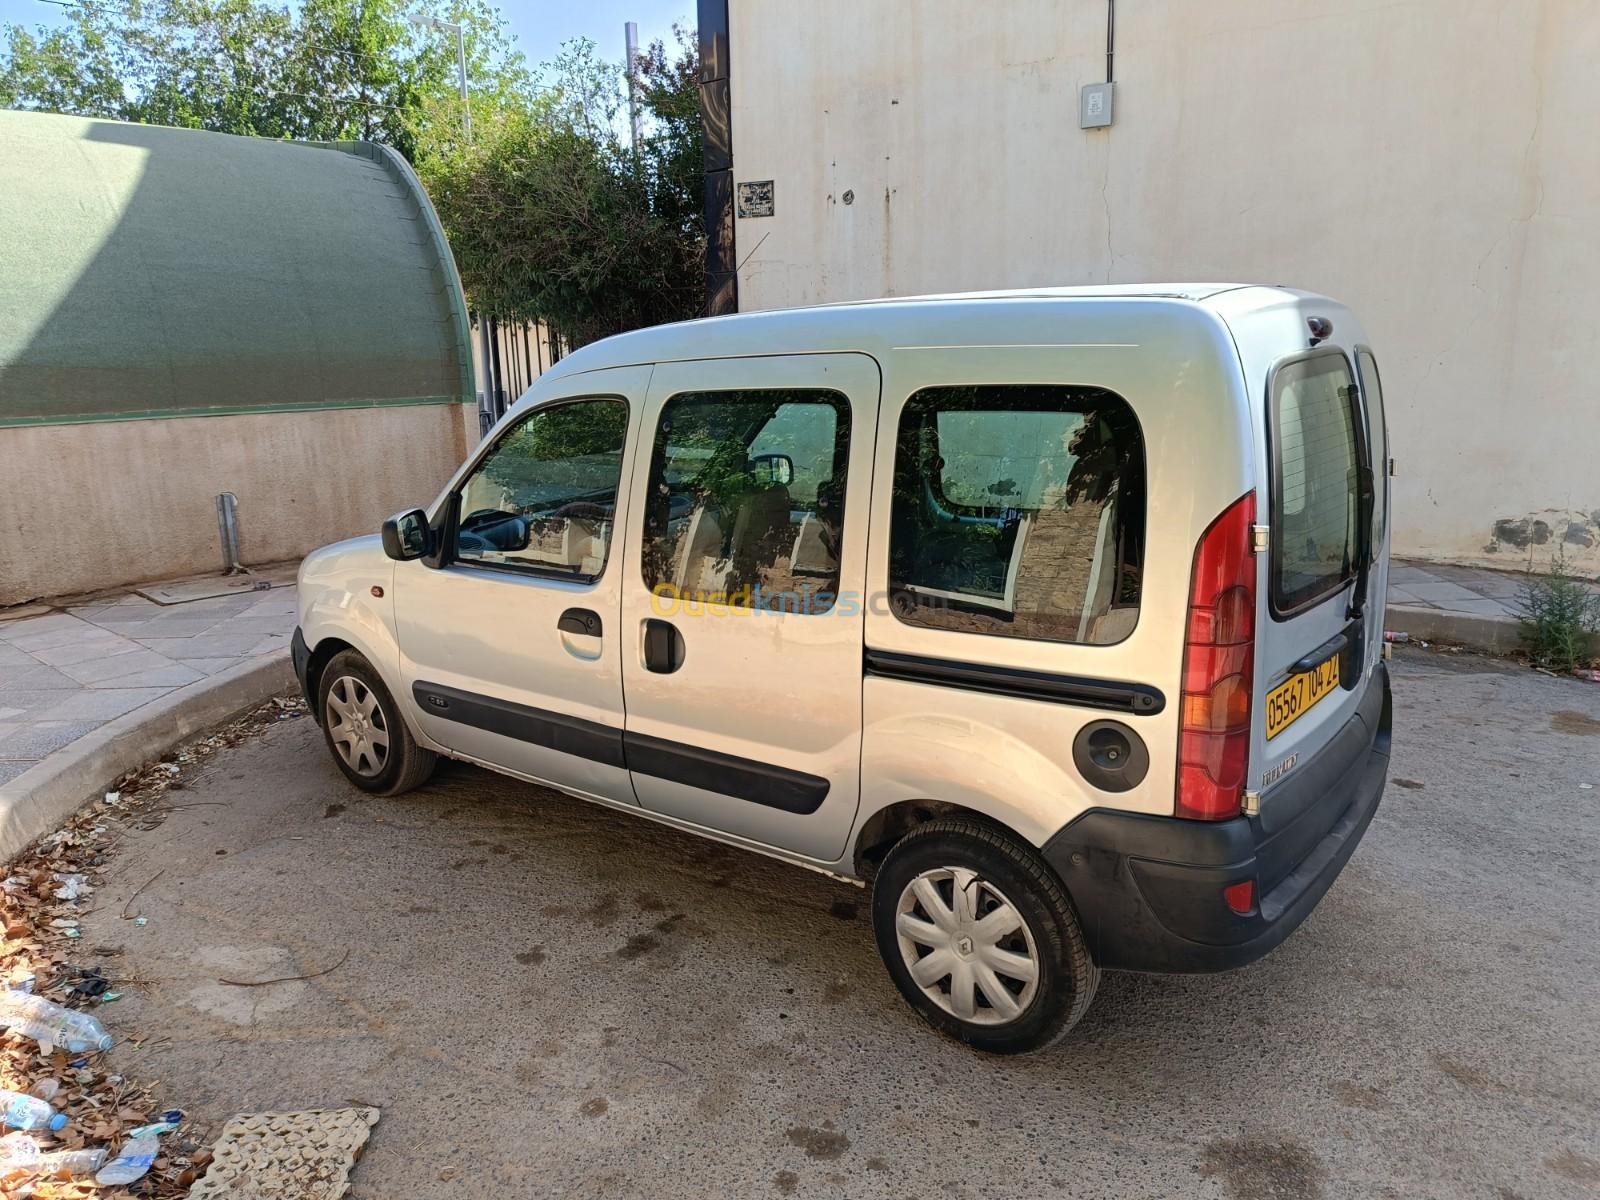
[356,726]
[966,946]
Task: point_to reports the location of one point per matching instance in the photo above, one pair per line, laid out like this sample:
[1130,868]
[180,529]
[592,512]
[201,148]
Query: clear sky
[539,25]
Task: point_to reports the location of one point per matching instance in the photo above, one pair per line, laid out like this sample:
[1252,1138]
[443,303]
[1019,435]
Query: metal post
[228,532]
[461,65]
[630,35]
[424,21]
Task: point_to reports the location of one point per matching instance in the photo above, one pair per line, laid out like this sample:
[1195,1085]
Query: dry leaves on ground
[49,890]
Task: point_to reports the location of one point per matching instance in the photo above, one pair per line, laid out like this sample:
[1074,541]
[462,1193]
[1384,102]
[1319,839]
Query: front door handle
[663,647]
[581,621]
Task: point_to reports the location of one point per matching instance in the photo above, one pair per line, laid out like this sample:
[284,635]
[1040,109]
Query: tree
[326,71]
[552,216]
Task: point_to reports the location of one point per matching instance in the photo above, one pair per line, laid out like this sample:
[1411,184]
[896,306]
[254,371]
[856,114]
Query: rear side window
[1314,481]
[1018,511]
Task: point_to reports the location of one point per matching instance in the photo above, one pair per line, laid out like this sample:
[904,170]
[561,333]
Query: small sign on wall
[755,198]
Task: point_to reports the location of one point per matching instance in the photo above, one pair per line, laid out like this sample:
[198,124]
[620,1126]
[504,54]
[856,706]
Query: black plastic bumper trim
[727,774]
[537,726]
[742,778]
[1148,889]
[1136,699]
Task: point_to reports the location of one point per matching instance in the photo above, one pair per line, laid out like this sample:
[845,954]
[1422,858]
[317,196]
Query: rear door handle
[1327,650]
[580,621]
[663,647]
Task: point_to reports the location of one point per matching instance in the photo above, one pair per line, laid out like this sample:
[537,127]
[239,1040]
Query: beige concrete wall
[97,505]
[1431,163]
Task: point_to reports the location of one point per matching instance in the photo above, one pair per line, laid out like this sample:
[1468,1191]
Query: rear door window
[1018,511]
[1372,390]
[1314,481]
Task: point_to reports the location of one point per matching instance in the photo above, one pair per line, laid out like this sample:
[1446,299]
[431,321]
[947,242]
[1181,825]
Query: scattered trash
[108,997]
[154,1129]
[113,798]
[131,1162]
[1396,635]
[1586,787]
[28,1112]
[90,983]
[141,922]
[72,886]
[50,1024]
[1592,674]
[18,1151]
[74,1164]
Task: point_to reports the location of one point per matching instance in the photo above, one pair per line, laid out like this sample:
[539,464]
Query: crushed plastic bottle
[18,1151]
[28,1112]
[44,1021]
[131,1162]
[74,1164]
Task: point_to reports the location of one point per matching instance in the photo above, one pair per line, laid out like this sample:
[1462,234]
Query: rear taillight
[1218,669]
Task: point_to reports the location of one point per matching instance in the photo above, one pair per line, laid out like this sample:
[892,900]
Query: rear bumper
[1149,889]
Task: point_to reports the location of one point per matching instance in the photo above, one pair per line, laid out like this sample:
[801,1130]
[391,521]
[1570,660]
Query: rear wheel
[981,938]
[365,731]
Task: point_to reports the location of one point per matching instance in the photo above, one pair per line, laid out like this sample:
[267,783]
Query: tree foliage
[554,218]
[326,70]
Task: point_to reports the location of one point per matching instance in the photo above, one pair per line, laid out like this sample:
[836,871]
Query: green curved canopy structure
[154,272]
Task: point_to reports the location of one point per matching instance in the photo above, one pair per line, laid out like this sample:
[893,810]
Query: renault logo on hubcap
[963,946]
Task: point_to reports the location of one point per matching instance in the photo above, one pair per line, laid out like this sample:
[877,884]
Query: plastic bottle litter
[131,1162]
[1390,635]
[76,1164]
[28,1112]
[44,1021]
[18,1150]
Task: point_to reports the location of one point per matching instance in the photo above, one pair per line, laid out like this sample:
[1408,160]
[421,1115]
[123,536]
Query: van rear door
[1316,626]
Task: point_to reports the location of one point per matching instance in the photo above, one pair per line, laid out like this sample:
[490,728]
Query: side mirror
[775,468]
[407,535]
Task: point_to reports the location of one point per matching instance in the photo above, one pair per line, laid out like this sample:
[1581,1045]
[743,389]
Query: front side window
[544,499]
[746,498]
[1019,511]
[1314,481]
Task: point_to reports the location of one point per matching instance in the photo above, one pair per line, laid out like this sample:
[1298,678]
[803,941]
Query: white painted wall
[1434,163]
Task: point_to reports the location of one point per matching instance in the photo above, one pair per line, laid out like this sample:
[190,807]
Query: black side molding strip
[570,735]
[742,778]
[1136,699]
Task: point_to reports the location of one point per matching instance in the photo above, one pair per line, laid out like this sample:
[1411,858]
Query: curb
[50,791]
[1493,635]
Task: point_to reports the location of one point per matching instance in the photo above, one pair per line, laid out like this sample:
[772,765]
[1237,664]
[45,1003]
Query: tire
[380,755]
[993,870]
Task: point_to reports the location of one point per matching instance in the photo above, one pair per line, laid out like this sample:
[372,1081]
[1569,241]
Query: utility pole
[630,36]
[423,21]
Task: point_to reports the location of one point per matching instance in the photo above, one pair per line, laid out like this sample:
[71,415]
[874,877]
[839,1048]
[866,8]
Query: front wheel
[981,938]
[365,731]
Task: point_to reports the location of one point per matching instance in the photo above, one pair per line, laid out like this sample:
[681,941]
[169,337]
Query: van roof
[977,318]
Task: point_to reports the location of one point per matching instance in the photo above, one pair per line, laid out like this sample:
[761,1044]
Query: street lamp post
[423,21]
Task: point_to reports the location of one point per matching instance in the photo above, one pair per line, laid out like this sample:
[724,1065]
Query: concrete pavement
[548,998]
[65,673]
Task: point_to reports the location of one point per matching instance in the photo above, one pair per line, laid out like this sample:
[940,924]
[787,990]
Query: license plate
[1296,695]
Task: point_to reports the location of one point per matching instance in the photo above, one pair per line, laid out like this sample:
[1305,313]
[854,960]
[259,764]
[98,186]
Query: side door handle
[581,621]
[663,647]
